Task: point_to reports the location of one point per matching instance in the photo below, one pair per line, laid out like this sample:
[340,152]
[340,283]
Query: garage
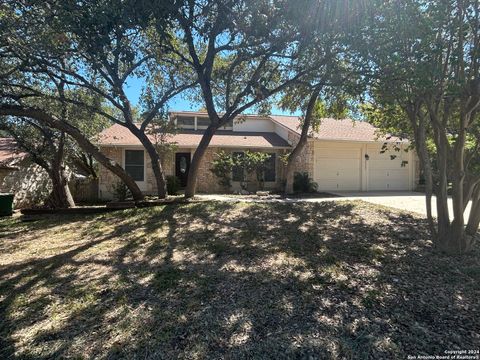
[342,166]
[389,170]
[337,167]
[346,155]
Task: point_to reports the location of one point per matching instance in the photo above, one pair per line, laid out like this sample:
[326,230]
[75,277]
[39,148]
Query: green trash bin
[6,204]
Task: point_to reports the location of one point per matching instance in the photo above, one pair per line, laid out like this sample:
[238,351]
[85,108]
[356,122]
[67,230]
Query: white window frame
[141,184]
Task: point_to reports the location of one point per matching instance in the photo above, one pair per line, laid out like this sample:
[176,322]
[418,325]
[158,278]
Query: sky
[134,89]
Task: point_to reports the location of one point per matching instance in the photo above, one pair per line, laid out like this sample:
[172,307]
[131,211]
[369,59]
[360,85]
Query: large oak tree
[242,53]
[100,46]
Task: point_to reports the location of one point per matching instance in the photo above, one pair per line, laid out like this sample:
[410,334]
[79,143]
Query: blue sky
[134,89]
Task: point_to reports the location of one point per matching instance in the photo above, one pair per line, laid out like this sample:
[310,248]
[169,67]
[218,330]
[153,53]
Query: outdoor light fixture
[367,157]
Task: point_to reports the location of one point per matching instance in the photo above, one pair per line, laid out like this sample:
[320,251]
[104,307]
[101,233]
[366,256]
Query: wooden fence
[84,190]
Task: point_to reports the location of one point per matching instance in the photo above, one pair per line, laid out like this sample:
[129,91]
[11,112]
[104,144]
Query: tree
[41,115]
[102,47]
[424,59]
[242,52]
[327,90]
[46,148]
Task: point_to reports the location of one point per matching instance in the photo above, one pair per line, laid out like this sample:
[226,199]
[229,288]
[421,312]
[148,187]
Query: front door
[182,165]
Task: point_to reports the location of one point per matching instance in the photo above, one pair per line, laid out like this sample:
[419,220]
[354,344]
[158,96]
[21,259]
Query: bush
[173,184]
[120,191]
[222,167]
[303,183]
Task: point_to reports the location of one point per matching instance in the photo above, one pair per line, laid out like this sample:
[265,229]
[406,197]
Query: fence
[84,189]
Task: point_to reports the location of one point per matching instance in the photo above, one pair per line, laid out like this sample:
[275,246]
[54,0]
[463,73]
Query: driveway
[403,200]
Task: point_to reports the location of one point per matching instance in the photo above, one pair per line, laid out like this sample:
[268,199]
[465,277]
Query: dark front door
[182,165]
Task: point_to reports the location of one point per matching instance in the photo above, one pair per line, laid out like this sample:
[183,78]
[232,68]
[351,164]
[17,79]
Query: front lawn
[233,280]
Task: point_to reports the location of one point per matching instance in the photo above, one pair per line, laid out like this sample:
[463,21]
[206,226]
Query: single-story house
[343,155]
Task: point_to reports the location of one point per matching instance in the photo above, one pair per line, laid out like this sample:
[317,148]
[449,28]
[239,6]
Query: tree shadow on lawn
[226,280]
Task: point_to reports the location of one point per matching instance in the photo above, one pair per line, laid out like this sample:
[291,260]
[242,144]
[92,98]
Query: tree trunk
[196,160]
[441,193]
[83,142]
[422,151]
[474,219]
[458,189]
[292,158]
[61,197]
[154,159]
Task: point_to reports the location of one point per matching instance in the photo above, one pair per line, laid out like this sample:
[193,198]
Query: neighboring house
[342,156]
[20,176]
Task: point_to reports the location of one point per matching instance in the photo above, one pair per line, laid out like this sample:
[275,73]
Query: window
[270,168]
[186,122]
[203,121]
[238,173]
[135,164]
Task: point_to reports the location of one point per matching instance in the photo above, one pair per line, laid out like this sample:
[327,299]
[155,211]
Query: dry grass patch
[233,280]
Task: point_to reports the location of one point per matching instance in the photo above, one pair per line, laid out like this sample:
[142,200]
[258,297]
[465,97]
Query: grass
[233,280]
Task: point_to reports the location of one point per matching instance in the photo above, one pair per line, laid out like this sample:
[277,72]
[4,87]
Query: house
[20,176]
[342,155]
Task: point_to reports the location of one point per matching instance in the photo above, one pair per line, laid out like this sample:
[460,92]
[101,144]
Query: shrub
[222,167]
[303,183]
[250,162]
[120,191]
[173,184]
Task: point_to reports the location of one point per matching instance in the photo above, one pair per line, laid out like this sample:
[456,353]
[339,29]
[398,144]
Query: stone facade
[305,161]
[107,179]
[30,184]
[207,182]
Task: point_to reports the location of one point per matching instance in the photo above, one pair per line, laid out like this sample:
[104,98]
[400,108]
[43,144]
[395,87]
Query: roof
[121,136]
[330,129]
[333,129]
[9,152]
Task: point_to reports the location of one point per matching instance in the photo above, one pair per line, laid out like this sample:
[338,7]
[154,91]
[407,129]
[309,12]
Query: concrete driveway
[403,200]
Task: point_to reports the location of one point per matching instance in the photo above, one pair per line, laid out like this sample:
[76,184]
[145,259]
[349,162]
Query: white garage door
[385,171]
[337,168]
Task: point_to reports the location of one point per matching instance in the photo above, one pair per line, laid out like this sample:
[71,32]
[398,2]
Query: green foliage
[222,167]
[254,163]
[173,184]
[120,191]
[251,162]
[335,108]
[284,158]
[303,183]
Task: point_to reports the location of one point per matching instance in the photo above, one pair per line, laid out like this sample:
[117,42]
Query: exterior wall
[106,179]
[306,159]
[370,173]
[207,182]
[30,184]
[261,125]
[282,131]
